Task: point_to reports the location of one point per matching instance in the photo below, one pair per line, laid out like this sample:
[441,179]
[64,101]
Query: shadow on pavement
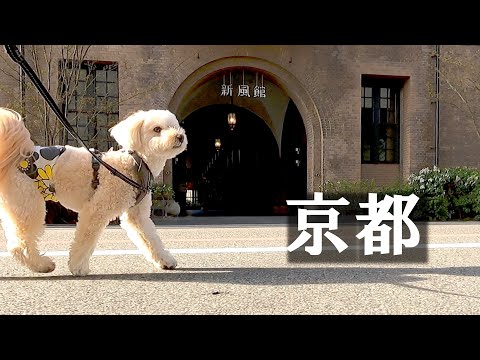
[275,276]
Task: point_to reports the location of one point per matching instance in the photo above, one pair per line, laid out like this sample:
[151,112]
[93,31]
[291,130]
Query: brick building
[330,112]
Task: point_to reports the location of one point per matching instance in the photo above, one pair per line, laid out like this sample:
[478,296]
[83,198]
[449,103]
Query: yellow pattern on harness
[40,167]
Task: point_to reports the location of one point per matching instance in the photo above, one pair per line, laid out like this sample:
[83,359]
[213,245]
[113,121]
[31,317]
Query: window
[90,96]
[381,120]
[192,197]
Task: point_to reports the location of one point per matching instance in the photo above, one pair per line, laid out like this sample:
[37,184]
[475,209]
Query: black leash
[16,56]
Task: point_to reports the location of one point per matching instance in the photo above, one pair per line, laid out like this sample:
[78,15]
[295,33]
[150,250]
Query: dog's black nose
[180,138]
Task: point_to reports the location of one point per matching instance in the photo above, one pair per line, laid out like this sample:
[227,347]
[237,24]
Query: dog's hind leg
[23,217]
[141,231]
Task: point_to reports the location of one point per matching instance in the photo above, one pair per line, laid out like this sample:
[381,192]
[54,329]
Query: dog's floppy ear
[128,132]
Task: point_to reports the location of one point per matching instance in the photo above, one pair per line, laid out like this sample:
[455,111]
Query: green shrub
[445,194]
[398,188]
[163,192]
[475,202]
[355,192]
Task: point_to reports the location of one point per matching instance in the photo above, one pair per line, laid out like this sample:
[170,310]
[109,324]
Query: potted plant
[162,197]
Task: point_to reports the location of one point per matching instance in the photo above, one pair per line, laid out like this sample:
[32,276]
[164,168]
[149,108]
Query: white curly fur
[22,208]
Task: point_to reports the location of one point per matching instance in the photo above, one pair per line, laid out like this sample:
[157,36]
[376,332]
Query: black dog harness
[40,167]
[144,173]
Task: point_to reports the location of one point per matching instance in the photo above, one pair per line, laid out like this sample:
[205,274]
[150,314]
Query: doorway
[240,177]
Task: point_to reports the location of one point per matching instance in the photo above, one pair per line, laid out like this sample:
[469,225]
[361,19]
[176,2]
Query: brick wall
[459,106]
[382,174]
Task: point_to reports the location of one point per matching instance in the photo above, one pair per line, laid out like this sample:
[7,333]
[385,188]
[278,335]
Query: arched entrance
[270,155]
[183,93]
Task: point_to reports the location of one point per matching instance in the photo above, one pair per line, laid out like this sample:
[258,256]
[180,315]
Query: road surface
[243,269]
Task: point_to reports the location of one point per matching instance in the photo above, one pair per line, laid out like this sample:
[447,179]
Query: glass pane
[91,130]
[83,74]
[68,81]
[390,142]
[82,132]
[85,103]
[363,91]
[381,150]
[102,133]
[71,117]
[65,71]
[90,80]
[101,119]
[112,75]
[90,89]
[112,120]
[391,133]
[368,102]
[112,89]
[81,88]
[383,92]
[368,92]
[363,102]
[367,119]
[101,104]
[101,75]
[391,117]
[383,116]
[112,105]
[72,103]
[82,120]
[383,103]
[390,155]
[71,87]
[101,88]
[366,152]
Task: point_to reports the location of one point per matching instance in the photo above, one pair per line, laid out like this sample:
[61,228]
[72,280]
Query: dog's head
[154,133]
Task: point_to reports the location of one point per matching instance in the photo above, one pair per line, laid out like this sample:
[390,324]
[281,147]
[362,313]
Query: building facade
[311,113]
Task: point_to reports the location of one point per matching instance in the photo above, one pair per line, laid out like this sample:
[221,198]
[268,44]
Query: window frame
[91,93]
[378,127]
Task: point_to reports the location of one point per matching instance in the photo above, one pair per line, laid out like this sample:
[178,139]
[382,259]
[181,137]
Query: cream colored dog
[155,135]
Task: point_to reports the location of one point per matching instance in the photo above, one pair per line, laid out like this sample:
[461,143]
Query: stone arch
[189,75]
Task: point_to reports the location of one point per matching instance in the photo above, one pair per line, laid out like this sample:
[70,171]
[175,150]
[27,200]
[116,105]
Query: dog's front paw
[80,269]
[167,261]
[45,265]
[169,267]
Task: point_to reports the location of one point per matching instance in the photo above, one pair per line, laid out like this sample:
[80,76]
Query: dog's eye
[157,129]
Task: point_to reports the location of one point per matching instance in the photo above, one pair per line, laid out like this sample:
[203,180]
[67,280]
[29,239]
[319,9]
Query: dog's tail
[15,142]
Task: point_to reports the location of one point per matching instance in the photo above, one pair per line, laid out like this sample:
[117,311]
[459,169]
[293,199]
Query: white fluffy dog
[154,135]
